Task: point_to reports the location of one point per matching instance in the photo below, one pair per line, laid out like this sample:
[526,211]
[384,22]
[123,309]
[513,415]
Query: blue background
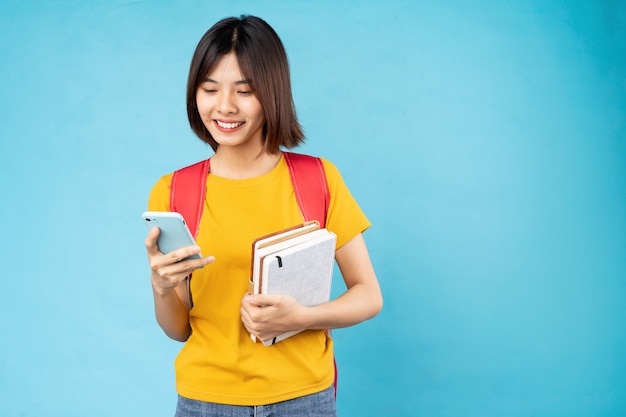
[486,142]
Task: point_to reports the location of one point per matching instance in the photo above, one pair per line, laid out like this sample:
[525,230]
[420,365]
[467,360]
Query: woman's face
[229,108]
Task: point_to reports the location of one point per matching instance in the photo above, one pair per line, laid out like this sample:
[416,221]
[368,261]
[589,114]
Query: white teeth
[228,125]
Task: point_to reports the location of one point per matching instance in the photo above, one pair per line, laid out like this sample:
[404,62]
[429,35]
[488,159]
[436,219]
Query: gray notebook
[303,271]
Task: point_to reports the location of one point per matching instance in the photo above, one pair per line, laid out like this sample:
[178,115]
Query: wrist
[159,289]
[306,318]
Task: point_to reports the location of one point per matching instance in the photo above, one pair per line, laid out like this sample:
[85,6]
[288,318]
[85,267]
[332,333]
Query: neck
[239,165]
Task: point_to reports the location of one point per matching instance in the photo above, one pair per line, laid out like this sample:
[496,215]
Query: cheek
[202,104]
[205,114]
[258,113]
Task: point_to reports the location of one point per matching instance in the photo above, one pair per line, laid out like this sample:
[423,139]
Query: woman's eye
[245,92]
[208,90]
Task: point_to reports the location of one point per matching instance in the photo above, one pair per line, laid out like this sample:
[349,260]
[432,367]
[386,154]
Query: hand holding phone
[174,233]
[167,273]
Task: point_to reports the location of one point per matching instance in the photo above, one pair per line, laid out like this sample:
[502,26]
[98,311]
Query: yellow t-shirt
[219,362]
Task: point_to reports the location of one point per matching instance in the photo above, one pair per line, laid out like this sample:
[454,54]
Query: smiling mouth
[225,125]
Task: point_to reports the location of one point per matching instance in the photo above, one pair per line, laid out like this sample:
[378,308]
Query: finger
[204,261]
[245,317]
[151,241]
[247,321]
[182,253]
[170,272]
[253,327]
[246,311]
[191,265]
[188,266]
[177,271]
[262,300]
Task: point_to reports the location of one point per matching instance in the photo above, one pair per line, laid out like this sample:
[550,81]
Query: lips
[228,125]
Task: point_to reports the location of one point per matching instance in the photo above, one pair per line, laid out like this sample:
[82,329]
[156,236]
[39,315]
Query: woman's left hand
[269,315]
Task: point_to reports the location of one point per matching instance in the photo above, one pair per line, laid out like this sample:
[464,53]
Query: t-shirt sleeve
[159,199]
[345,217]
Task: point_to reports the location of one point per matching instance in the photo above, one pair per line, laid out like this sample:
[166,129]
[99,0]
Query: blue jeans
[321,404]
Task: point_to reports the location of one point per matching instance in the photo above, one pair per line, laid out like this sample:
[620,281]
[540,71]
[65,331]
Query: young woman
[239,102]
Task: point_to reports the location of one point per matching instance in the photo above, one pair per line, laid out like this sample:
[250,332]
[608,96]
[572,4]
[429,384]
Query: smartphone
[174,231]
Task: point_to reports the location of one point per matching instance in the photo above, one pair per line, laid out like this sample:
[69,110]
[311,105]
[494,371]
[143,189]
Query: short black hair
[263,62]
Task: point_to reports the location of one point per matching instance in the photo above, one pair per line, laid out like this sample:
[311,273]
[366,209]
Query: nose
[226,103]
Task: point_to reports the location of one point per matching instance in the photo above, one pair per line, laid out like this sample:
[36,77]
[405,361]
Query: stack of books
[299,262]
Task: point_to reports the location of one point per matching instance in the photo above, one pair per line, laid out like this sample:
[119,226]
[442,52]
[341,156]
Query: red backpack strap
[187,193]
[310,186]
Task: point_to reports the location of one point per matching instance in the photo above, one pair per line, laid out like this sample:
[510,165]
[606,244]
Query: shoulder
[333,174]
[160,194]
[163,183]
[329,167]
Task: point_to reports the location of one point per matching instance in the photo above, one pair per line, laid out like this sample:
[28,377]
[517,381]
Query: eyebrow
[240,82]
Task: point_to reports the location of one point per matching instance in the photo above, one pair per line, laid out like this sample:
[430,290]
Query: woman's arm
[171,312]
[363,299]
[169,286]
[267,316]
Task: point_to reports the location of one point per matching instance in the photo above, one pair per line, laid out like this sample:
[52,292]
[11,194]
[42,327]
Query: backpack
[188,192]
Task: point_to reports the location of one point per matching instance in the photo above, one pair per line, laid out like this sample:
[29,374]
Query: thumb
[259,300]
[151,239]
